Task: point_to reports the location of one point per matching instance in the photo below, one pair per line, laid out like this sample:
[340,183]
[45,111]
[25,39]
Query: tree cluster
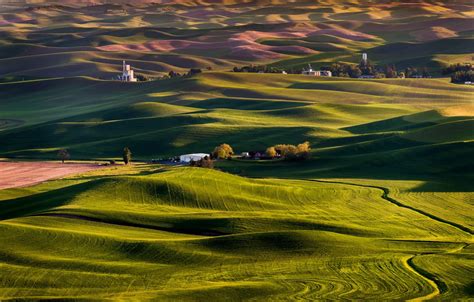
[205,162]
[460,73]
[367,69]
[460,77]
[224,151]
[257,69]
[346,70]
[457,67]
[172,74]
[290,152]
[142,78]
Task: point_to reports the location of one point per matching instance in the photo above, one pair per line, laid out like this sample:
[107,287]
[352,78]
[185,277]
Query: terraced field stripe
[435,283]
[385,196]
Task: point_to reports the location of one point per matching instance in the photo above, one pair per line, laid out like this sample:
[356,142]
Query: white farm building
[316,73]
[186,158]
[127,74]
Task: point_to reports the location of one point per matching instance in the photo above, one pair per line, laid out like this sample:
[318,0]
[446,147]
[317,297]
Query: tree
[355,72]
[271,152]
[411,72]
[379,75]
[173,74]
[462,76]
[292,152]
[390,72]
[287,151]
[194,71]
[223,151]
[426,73]
[141,77]
[304,150]
[63,154]
[127,155]
[457,67]
[205,162]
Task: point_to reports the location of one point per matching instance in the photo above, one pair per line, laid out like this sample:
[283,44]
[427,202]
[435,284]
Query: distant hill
[91,38]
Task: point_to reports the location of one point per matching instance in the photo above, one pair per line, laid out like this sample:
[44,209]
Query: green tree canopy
[63,154]
[127,155]
[223,151]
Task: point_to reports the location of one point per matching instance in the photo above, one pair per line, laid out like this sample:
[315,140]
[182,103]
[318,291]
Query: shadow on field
[43,201]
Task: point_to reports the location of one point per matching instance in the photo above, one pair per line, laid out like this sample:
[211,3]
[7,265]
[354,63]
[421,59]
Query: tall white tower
[364,57]
[127,73]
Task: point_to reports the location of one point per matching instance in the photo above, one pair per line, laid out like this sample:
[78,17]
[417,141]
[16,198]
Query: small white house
[245,154]
[186,158]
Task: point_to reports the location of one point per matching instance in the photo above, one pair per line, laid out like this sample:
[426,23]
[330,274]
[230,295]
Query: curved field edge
[221,235]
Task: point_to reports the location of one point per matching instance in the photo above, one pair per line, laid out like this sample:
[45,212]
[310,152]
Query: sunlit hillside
[67,39]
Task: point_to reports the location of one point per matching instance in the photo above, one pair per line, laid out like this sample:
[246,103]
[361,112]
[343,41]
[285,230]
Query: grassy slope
[145,236]
[97,118]
[190,234]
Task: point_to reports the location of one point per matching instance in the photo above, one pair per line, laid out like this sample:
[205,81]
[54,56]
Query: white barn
[186,158]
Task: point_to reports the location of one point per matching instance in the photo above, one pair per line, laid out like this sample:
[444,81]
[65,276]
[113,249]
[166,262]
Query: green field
[382,210]
[95,119]
[195,234]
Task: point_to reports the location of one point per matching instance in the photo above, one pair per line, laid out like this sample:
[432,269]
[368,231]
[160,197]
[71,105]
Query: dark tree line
[260,68]
[460,73]
[460,77]
[171,74]
[363,69]
[456,67]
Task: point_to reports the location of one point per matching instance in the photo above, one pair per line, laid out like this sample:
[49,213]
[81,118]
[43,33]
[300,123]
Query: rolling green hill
[381,210]
[222,236]
[96,119]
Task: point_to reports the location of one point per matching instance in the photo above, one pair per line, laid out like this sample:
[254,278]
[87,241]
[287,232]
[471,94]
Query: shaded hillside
[375,125]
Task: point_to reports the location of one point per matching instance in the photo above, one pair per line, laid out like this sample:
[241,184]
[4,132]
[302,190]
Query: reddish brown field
[22,174]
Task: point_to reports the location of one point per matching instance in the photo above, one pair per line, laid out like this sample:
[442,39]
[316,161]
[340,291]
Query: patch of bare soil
[23,174]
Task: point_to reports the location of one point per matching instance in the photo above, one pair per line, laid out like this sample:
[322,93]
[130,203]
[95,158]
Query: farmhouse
[316,73]
[127,74]
[186,158]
